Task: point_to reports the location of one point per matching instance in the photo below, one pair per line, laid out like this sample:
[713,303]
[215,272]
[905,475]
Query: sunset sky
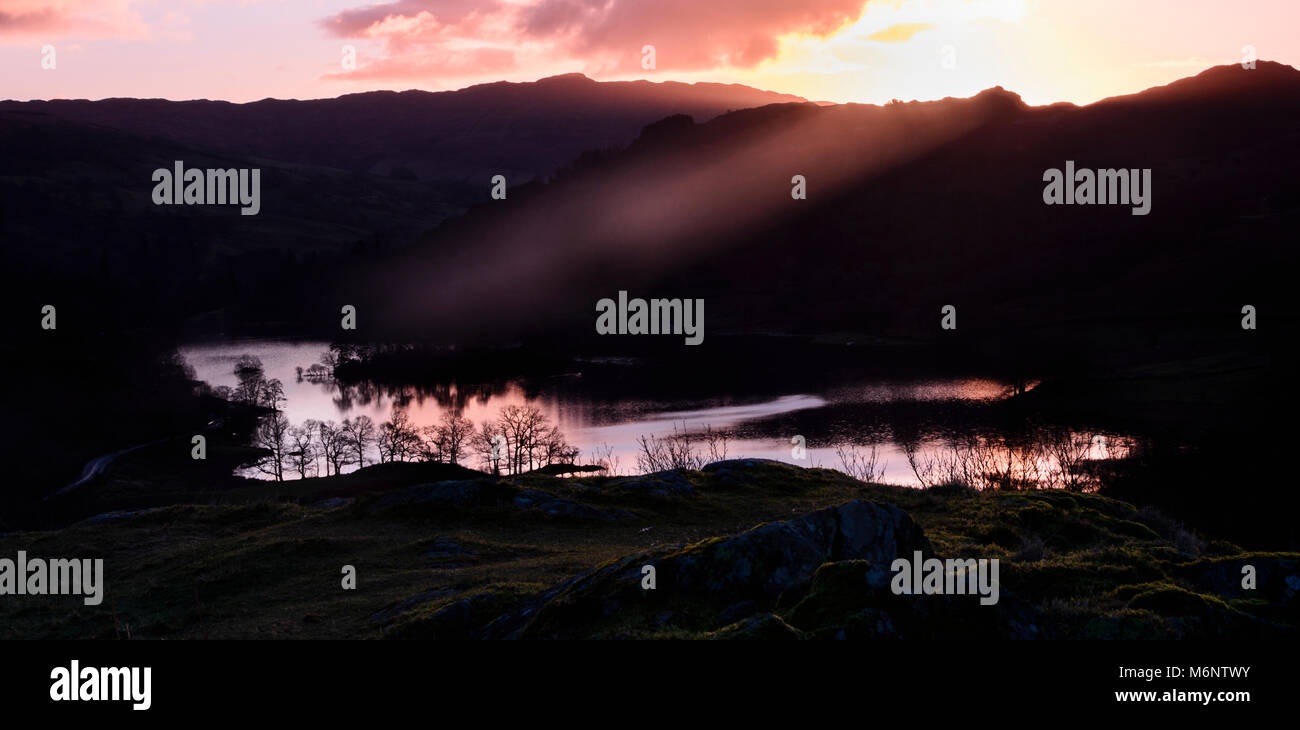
[833,50]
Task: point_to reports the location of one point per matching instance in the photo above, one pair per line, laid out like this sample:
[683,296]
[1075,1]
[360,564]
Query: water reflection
[917,432]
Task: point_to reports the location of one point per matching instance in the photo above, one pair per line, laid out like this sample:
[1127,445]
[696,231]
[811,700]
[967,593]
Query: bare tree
[861,464]
[272,435]
[552,448]
[302,448]
[530,440]
[603,457]
[270,394]
[935,468]
[398,439]
[516,424]
[716,441]
[360,433]
[681,449]
[453,434]
[491,445]
[333,446]
[1069,455]
[431,444]
[985,463]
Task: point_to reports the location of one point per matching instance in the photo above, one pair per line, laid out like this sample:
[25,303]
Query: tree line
[521,438]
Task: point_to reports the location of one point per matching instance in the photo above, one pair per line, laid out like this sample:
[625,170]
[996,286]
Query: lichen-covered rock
[661,484]
[853,600]
[741,471]
[744,464]
[771,558]
[1276,577]
[700,581]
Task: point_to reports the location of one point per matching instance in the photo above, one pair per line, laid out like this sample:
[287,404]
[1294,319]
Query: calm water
[928,413]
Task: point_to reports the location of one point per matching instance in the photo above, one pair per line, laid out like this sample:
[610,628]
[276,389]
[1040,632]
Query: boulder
[457,493]
[722,574]
[660,484]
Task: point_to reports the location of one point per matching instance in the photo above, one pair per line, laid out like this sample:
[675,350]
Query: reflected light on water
[601,428]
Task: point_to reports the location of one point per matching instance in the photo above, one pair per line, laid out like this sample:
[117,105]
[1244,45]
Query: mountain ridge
[523,130]
[877,177]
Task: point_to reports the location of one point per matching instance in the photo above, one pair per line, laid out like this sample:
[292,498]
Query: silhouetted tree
[333,446]
[448,439]
[248,369]
[360,433]
[302,448]
[272,435]
[490,443]
[398,439]
[271,394]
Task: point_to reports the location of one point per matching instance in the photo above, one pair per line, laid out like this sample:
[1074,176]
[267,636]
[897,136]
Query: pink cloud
[451,38]
[686,34]
[415,17]
[55,19]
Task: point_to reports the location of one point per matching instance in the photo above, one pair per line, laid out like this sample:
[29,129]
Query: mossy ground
[259,562]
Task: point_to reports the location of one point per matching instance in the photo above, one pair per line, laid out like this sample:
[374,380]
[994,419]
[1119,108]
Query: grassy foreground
[547,557]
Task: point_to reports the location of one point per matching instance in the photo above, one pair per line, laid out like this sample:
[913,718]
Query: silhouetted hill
[910,207]
[520,130]
[1224,82]
[80,228]
[342,180]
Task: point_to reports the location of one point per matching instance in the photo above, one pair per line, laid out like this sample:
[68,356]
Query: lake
[932,415]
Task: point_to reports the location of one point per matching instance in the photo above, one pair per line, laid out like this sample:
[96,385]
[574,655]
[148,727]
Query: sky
[824,50]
